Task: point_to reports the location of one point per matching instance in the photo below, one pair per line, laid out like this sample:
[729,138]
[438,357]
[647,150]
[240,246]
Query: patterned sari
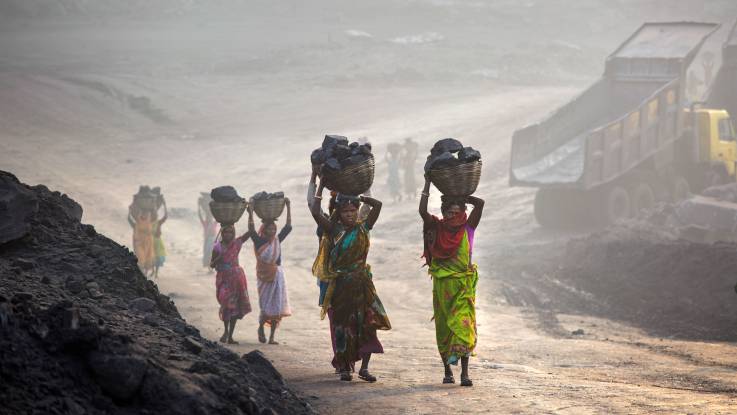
[231,288]
[454,298]
[351,299]
[272,286]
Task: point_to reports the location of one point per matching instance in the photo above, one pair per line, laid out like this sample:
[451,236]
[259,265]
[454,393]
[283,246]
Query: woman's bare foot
[272,341]
[261,334]
[466,381]
[224,338]
[231,341]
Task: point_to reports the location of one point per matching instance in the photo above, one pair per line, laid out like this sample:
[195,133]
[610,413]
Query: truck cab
[718,143]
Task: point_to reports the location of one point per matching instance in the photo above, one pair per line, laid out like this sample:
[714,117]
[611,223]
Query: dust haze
[99,97]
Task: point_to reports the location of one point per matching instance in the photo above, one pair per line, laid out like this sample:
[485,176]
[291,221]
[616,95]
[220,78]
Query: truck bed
[631,113]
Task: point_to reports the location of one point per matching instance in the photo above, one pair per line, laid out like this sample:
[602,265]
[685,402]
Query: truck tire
[545,207]
[643,198]
[680,189]
[617,204]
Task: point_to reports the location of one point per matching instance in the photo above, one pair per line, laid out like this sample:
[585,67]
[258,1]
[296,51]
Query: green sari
[454,299]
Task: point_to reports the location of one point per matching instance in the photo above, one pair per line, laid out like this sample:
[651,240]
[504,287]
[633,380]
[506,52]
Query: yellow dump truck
[633,137]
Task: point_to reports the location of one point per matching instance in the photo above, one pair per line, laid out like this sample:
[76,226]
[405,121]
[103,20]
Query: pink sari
[230,283]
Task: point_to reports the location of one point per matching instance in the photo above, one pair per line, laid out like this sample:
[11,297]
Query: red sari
[230,282]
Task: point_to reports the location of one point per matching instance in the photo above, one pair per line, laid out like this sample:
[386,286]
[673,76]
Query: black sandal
[365,375]
[466,381]
[346,376]
[449,379]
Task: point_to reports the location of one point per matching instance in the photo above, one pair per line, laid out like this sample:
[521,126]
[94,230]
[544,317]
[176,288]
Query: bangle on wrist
[317,197]
[425,194]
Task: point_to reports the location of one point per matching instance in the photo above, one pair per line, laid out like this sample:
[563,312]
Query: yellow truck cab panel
[718,138]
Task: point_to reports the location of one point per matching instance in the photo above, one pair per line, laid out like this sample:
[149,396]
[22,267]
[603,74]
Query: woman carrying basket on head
[351,299]
[448,247]
[272,286]
[231,288]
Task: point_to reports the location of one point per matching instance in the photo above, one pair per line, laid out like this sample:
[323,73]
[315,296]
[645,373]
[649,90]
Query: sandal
[346,376]
[365,375]
[261,335]
[449,379]
[224,338]
[466,381]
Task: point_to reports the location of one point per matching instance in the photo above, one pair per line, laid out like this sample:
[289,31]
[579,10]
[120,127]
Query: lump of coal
[268,196]
[446,145]
[449,152]
[332,164]
[441,161]
[341,152]
[331,141]
[468,155]
[225,194]
[318,156]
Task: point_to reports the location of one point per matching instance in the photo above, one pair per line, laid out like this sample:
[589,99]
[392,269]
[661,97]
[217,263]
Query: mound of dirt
[82,331]
[638,273]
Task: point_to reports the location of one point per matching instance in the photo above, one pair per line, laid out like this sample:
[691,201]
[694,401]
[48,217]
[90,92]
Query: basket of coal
[455,170]
[147,199]
[345,168]
[268,206]
[226,206]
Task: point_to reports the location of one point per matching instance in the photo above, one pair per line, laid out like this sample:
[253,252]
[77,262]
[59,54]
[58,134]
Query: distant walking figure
[393,155]
[409,158]
[210,228]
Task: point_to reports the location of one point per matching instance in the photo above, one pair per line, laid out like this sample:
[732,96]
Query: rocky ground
[82,331]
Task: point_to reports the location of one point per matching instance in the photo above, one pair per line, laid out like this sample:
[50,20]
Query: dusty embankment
[82,331]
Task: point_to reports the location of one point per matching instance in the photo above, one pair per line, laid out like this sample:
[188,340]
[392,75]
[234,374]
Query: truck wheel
[643,198]
[618,204]
[681,189]
[545,207]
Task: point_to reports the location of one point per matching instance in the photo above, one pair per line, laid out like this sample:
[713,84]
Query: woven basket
[460,180]
[228,213]
[353,180]
[269,209]
[145,202]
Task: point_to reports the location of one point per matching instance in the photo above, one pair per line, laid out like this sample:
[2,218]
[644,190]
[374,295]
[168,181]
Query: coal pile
[449,152]
[337,154]
[82,331]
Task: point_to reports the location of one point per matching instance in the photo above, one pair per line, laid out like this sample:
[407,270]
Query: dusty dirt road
[527,360]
